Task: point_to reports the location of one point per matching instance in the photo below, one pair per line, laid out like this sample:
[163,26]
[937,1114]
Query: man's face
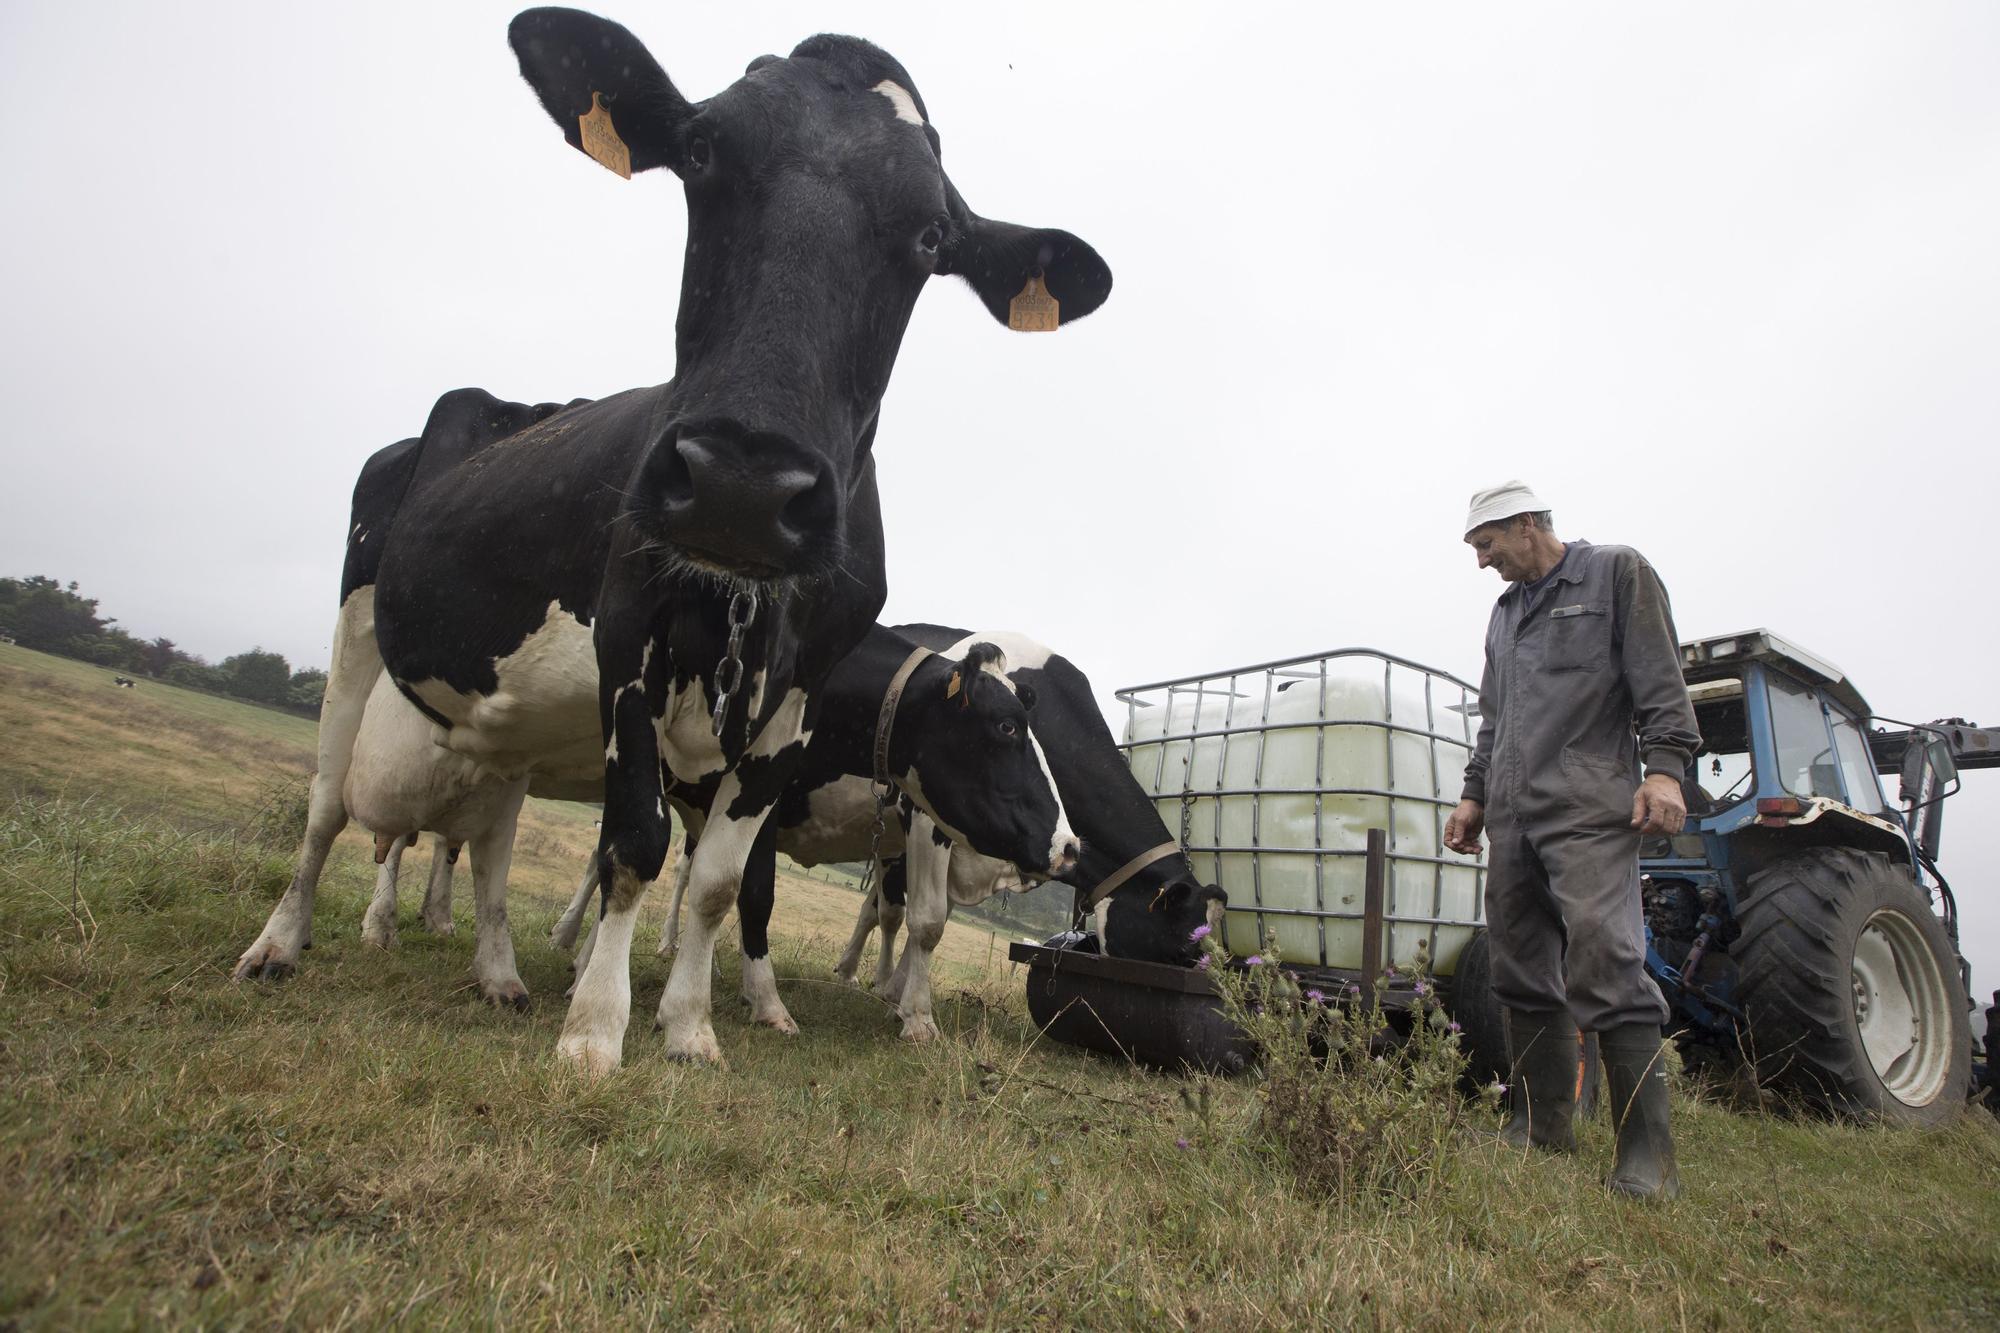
[1504,547]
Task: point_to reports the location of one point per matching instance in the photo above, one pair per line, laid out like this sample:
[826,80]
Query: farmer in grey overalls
[1582,684]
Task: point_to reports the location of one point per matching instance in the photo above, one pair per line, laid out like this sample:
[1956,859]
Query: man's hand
[1657,807]
[1461,831]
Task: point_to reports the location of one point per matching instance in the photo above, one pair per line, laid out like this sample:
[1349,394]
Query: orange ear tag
[600,138]
[1034,310]
[951,687]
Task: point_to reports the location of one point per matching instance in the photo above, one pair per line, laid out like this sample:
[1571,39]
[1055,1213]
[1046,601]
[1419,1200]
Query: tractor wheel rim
[1900,1008]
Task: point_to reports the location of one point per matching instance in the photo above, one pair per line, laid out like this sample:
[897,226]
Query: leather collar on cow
[885,721]
[1110,883]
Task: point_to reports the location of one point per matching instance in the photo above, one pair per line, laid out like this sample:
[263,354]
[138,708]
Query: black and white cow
[1132,873]
[568,596]
[961,750]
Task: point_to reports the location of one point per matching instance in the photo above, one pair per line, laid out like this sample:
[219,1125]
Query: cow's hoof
[506,995]
[920,1029]
[265,962]
[698,1047]
[778,1022]
[444,927]
[378,937]
[845,975]
[589,1056]
[562,935]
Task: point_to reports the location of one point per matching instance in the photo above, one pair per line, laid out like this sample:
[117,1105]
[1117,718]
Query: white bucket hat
[1503,501]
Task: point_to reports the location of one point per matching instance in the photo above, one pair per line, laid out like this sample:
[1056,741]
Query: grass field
[367,1144]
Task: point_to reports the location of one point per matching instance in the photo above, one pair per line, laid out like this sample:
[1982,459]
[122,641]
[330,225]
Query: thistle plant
[1358,1101]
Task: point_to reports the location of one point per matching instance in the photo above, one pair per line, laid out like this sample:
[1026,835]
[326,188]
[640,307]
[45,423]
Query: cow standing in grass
[652,587]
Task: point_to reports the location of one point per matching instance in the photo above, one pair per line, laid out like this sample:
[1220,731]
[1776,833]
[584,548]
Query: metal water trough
[1171,1017]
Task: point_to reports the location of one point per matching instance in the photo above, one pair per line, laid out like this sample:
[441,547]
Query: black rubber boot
[1635,1066]
[1541,1095]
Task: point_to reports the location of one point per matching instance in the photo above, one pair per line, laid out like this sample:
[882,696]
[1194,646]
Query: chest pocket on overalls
[1579,637]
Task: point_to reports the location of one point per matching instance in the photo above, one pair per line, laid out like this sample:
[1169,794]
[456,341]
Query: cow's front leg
[563,934]
[715,872]
[378,925]
[437,894]
[753,911]
[894,895]
[864,926]
[631,848]
[927,867]
[493,957]
[670,930]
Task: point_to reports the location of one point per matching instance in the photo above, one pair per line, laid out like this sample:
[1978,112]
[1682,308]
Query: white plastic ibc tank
[1283,798]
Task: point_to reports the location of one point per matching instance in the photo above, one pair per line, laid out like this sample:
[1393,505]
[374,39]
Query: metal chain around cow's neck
[729,671]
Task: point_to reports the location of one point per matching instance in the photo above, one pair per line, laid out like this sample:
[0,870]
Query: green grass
[368,1143]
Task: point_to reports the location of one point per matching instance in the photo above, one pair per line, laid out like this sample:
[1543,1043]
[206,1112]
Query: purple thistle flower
[1254,960]
[1182,1144]
[1200,932]
[1453,1027]
[1315,997]
[1201,963]
[1422,989]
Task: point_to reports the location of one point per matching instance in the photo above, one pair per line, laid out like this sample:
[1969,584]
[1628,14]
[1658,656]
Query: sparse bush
[1354,1107]
[282,806]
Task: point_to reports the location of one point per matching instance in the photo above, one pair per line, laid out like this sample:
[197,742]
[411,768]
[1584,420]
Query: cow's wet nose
[754,505]
[1063,862]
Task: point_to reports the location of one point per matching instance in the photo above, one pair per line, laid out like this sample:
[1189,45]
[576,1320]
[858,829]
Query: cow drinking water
[1133,874]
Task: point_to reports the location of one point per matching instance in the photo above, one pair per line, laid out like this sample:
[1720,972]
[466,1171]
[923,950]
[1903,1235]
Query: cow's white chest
[542,714]
[688,743]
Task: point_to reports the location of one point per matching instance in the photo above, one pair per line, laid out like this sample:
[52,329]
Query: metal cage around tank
[1271,774]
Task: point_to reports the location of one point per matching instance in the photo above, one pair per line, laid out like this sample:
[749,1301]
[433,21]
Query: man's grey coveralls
[1582,679]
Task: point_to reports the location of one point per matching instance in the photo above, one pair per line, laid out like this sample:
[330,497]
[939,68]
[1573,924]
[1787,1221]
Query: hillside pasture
[368,1144]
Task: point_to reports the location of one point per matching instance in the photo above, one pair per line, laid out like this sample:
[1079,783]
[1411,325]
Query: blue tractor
[1799,926]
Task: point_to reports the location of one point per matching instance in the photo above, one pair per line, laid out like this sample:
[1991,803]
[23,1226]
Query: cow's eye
[698,153]
[931,238]
[1009,730]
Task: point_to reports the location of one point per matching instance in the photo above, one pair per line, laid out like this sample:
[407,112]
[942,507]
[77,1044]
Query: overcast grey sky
[1720,280]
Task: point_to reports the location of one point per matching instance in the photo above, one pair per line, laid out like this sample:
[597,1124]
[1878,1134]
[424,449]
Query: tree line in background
[40,613]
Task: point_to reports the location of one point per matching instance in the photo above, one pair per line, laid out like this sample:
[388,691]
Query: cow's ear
[1026,694]
[997,258]
[566,55]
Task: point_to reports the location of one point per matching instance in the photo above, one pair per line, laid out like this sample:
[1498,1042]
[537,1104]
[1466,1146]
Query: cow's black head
[977,769]
[1156,922]
[817,207]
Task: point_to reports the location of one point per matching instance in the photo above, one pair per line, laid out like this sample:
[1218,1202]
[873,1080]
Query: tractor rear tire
[1483,1030]
[1852,990]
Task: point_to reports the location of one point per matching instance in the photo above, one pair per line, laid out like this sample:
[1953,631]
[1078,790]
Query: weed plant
[282,806]
[1356,1103]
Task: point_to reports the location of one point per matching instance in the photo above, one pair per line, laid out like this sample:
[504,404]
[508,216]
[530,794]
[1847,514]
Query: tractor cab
[1784,746]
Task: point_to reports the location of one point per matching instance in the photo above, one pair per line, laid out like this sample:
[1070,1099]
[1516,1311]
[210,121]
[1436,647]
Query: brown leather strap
[886,719]
[1132,867]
